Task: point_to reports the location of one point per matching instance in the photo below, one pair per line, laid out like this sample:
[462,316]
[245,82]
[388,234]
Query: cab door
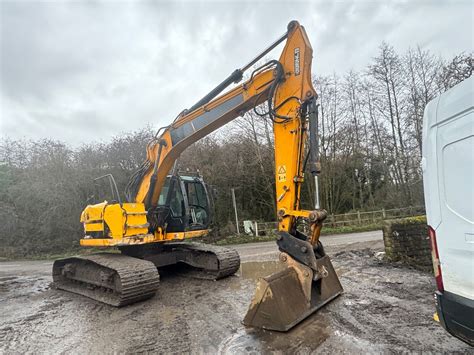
[198,204]
[177,219]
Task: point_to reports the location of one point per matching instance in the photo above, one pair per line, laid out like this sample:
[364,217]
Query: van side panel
[448,180]
[455,151]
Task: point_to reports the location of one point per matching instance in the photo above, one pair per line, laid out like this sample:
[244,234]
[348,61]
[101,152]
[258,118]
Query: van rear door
[455,155]
[448,177]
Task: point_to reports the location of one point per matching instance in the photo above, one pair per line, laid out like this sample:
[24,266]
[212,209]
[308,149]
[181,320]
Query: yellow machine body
[124,224]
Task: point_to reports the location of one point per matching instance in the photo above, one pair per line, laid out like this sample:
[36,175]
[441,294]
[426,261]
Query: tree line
[370,133]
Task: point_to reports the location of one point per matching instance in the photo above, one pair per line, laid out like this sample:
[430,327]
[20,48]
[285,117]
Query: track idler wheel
[285,298]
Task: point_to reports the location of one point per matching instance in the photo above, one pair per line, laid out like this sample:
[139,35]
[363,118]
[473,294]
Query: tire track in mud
[384,302]
[160,324]
[31,330]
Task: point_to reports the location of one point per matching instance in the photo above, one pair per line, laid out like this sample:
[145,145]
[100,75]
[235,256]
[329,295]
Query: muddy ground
[385,308]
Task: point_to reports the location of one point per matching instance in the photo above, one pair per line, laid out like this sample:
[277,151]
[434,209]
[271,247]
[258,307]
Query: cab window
[177,201]
[196,194]
[164,193]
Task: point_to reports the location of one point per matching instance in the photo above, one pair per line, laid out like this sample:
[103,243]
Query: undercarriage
[132,275]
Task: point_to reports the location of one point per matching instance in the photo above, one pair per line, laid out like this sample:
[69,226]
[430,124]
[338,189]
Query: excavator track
[228,260]
[114,279]
[207,261]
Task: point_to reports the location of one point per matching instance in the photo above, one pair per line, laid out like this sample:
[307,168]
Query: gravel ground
[384,308]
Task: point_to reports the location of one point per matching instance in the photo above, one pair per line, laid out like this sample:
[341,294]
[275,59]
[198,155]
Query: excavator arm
[286,87]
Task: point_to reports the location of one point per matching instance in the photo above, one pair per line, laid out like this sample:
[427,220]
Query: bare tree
[456,70]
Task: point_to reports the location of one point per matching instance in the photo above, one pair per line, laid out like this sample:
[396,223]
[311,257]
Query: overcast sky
[83,71]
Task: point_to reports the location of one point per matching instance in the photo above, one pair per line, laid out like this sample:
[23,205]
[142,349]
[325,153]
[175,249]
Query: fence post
[358,216]
[235,210]
[383,213]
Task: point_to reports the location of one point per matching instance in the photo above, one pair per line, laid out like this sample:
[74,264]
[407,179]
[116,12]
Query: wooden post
[235,210]
[383,213]
[358,216]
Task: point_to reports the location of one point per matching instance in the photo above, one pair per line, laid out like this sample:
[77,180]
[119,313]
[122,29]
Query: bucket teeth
[285,298]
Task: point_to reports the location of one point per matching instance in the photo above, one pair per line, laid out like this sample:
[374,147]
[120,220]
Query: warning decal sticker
[281,173]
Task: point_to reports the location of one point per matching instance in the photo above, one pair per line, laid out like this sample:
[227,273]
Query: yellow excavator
[163,211]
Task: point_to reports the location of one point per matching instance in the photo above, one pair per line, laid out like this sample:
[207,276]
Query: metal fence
[361,218]
[356,218]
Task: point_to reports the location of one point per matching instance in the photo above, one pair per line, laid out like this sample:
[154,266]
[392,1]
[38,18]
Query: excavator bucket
[285,298]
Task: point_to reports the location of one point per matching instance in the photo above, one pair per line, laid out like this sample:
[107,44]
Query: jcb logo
[297,61]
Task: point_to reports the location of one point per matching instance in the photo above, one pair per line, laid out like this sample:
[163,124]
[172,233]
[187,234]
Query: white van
[448,179]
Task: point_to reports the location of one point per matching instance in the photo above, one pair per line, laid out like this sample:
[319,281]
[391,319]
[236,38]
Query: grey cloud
[80,71]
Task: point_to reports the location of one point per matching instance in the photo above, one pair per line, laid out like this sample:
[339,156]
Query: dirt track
[385,308]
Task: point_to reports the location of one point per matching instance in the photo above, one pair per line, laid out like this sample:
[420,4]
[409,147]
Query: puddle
[304,338]
[256,269]
[238,342]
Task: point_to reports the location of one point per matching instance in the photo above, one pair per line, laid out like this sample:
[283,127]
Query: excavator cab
[184,204]
[184,207]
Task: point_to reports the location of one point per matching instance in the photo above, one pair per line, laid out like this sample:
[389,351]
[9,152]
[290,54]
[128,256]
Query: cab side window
[196,194]
[176,201]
